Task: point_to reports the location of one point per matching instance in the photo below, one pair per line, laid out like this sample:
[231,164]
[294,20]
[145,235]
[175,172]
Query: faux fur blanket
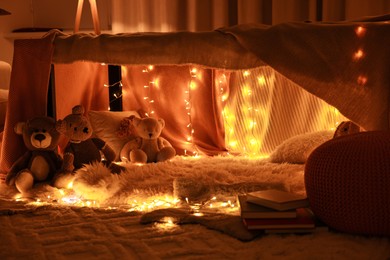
[194,179]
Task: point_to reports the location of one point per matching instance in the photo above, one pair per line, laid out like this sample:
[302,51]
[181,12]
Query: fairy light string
[148,89]
[191,86]
[117,95]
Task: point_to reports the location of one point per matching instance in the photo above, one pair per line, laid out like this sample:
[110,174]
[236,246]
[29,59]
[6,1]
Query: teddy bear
[82,148]
[41,161]
[347,128]
[149,146]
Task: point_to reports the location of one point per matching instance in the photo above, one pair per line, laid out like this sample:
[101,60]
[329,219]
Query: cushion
[347,182]
[298,148]
[105,125]
[3,106]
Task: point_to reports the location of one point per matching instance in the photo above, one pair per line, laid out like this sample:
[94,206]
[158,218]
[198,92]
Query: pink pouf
[348,183]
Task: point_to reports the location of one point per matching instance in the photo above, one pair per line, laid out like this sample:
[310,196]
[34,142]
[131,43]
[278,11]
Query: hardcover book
[304,219]
[250,210]
[278,200]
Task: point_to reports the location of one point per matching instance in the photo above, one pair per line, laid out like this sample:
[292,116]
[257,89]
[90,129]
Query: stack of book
[275,211]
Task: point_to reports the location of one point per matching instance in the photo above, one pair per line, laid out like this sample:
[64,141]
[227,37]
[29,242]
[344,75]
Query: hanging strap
[95,16]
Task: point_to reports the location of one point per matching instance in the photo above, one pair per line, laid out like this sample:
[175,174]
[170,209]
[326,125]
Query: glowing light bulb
[252,124]
[247,90]
[233,143]
[362,80]
[358,54]
[261,80]
[246,73]
[192,85]
[360,31]
[224,97]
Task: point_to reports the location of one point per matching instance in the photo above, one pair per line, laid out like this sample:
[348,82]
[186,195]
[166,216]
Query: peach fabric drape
[28,93]
[164,92]
[79,83]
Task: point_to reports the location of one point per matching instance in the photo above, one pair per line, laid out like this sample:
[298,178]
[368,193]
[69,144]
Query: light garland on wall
[246,117]
[359,54]
[250,110]
[148,88]
[191,86]
[115,95]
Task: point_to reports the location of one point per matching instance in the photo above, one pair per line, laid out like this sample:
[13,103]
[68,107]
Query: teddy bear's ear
[136,121]
[78,110]
[61,126]
[19,128]
[162,122]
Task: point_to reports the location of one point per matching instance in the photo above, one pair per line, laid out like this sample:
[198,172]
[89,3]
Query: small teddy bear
[148,146]
[82,148]
[41,162]
[346,128]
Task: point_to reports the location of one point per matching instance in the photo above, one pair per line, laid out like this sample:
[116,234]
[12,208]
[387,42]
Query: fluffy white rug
[197,179]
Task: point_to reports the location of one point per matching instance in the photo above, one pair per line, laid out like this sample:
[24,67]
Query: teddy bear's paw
[138,156]
[166,153]
[24,182]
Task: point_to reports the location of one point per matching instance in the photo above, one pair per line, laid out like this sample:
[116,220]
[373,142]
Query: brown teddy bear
[82,148]
[148,146]
[41,162]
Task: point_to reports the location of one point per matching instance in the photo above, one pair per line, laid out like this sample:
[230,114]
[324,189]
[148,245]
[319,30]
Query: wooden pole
[78,16]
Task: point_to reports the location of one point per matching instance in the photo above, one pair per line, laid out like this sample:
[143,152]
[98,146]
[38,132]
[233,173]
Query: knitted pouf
[348,183]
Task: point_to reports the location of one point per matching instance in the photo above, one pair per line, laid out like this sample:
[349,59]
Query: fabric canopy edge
[212,49]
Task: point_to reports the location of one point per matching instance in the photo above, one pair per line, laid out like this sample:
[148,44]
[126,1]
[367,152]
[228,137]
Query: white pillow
[105,125]
[298,148]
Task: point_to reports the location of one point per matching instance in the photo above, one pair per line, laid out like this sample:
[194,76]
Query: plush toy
[346,128]
[41,161]
[82,148]
[148,146]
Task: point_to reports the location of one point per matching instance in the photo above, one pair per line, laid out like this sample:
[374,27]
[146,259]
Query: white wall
[21,17]
[48,14]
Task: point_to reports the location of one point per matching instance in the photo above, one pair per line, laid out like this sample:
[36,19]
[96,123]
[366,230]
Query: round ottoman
[347,182]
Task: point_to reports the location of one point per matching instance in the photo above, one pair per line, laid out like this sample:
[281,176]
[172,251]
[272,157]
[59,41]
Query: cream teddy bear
[149,146]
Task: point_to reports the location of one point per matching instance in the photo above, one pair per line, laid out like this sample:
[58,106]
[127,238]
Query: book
[278,200]
[250,210]
[296,230]
[304,219]
[319,226]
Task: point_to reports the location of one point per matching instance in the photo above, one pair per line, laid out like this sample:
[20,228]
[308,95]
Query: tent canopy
[345,64]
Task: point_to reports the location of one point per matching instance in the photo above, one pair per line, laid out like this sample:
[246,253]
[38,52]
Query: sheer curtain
[202,15]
